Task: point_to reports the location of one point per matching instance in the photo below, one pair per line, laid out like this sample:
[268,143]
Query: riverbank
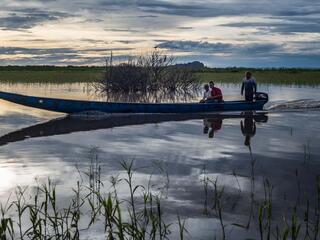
[72,74]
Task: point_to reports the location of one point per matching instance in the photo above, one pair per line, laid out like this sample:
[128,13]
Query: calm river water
[241,151]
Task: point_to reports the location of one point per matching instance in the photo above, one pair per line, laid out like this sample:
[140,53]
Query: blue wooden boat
[76,106]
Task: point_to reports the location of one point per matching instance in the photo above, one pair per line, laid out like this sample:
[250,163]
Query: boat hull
[76,106]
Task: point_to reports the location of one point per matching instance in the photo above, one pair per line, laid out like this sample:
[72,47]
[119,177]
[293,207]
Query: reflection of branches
[150,96]
[252,186]
[205,181]
[239,190]
[252,189]
[248,129]
[164,188]
[217,205]
[307,154]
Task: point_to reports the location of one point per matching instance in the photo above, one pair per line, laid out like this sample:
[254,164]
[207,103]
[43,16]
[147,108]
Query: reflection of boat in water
[71,124]
[76,106]
[211,125]
[248,126]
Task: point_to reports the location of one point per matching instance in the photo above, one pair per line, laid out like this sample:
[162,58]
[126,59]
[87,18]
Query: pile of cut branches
[152,77]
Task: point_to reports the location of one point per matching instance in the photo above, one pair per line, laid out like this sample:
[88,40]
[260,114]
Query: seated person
[206,94]
[216,94]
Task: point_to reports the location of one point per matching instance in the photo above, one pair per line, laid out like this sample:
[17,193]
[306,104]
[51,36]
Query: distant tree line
[273,69]
[194,66]
[51,68]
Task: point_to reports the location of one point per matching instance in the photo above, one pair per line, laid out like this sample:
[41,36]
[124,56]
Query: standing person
[249,86]
[206,93]
[216,93]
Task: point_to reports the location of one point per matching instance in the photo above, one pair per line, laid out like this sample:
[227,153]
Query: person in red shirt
[216,93]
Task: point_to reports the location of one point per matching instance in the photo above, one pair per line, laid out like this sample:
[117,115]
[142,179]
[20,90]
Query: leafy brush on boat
[151,77]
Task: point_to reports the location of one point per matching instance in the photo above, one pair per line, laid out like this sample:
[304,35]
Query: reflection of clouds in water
[14,116]
[170,140]
[183,150]
[153,142]
[83,91]
[7,179]
[7,109]
[14,121]
[289,93]
[13,173]
[292,133]
[64,90]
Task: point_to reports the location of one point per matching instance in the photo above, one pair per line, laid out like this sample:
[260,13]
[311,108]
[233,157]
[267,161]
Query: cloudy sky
[264,33]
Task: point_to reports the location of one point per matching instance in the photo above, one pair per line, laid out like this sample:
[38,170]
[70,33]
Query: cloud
[29,17]
[196,46]
[148,16]
[129,41]
[212,54]
[34,51]
[121,30]
[226,48]
[185,28]
[302,10]
[155,10]
[101,50]
[93,41]
[230,28]
[260,48]
[57,56]
[279,60]
[59,60]
[44,51]
[280,27]
[200,9]
[292,54]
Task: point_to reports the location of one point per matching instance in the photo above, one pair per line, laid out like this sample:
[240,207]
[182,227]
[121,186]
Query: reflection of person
[206,93]
[216,93]
[249,86]
[214,124]
[248,128]
[205,128]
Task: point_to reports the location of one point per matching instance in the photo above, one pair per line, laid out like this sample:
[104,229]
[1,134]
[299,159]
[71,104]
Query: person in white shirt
[206,94]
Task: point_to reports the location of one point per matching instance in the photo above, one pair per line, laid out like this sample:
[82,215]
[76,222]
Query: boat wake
[302,104]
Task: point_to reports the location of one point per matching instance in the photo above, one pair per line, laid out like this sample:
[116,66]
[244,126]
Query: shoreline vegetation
[91,74]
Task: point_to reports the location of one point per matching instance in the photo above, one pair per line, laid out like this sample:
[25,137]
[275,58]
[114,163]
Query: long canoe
[76,106]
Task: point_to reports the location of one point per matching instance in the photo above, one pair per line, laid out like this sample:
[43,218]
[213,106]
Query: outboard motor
[261,96]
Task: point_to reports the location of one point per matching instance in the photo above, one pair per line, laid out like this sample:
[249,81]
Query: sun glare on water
[7,178]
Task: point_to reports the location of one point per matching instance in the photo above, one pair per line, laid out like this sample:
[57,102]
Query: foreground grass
[142,215]
[48,74]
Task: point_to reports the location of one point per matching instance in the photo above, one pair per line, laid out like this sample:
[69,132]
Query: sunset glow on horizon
[218,33]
